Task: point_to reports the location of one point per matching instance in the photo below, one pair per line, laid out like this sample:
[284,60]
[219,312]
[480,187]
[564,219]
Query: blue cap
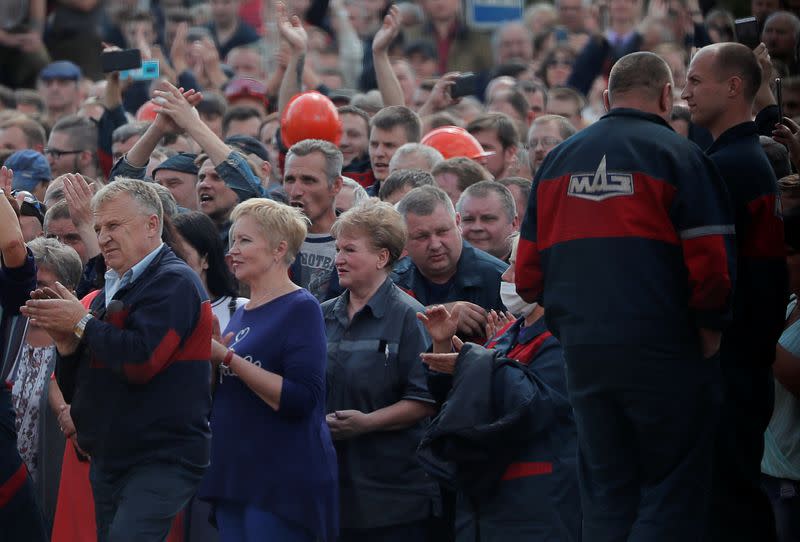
[62,69]
[30,168]
[183,162]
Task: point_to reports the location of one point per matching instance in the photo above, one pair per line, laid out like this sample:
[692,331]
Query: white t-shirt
[222,309]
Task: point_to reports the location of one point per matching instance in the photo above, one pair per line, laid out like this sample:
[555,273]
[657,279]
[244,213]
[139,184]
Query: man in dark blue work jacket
[628,243]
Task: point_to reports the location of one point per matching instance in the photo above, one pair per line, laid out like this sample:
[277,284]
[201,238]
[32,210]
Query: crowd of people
[347,270]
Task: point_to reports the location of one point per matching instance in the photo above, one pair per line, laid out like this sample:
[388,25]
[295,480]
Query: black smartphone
[116,61]
[465,85]
[747,32]
[779,98]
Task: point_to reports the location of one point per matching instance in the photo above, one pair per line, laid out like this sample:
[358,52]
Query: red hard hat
[453,142]
[147,112]
[310,115]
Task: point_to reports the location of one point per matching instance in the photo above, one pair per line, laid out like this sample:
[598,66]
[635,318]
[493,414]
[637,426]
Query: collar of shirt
[114,282]
[377,303]
[617,40]
[739,131]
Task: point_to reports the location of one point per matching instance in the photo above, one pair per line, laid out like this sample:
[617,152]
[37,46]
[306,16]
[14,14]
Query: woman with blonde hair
[273,466]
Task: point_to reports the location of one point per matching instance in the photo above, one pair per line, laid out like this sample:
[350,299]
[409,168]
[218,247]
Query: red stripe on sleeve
[198,345]
[141,373]
[526,469]
[764,234]
[528,276]
[10,487]
[706,259]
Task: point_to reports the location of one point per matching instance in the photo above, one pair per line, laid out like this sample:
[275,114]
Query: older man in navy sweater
[721,85]
[136,369]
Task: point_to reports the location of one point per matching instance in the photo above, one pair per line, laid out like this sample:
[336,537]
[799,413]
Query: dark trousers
[785,498]
[740,508]
[645,419]
[20,515]
[138,505]
[417,531]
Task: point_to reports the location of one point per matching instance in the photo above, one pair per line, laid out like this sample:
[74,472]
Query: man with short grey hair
[443,268]
[488,218]
[312,178]
[135,368]
[415,156]
[545,134]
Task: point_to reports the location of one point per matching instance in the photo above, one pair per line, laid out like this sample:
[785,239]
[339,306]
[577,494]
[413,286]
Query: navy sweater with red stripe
[139,384]
[761,286]
[628,238]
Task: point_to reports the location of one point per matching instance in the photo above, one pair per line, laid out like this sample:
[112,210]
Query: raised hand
[387,32]
[78,194]
[292,31]
[787,133]
[440,323]
[6,180]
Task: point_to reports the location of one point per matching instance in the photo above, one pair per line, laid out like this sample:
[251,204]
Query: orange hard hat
[147,112]
[310,115]
[453,142]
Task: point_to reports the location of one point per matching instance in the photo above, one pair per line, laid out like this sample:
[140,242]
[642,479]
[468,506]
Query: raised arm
[296,38]
[388,85]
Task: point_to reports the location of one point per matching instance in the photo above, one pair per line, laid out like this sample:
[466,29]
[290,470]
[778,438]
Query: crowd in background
[344,183]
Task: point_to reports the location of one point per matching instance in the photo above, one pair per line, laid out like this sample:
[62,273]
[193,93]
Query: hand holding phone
[465,85]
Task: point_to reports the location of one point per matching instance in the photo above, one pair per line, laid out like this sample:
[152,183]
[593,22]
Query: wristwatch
[80,327]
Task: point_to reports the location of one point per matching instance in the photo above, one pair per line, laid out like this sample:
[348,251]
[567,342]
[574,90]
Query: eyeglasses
[547,142]
[58,153]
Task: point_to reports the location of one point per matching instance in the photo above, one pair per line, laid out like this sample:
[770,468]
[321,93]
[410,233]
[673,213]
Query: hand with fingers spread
[387,32]
[292,31]
[495,321]
[78,194]
[441,325]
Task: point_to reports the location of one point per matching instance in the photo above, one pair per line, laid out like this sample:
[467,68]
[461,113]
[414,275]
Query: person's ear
[666,100]
[204,262]
[606,101]
[383,258]
[337,185]
[735,84]
[153,225]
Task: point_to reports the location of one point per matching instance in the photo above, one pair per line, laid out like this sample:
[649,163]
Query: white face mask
[513,302]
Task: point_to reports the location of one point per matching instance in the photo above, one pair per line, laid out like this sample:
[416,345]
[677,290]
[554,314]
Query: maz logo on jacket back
[601,184]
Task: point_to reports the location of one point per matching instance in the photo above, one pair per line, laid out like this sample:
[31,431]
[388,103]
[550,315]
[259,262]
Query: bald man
[721,85]
[614,244]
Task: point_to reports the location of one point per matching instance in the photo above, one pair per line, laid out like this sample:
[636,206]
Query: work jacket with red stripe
[139,384]
[505,440]
[628,237]
[761,277]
